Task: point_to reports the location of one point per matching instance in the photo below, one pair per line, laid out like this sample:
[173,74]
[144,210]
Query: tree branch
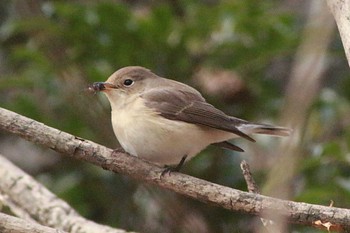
[42,205]
[269,225]
[6,200]
[10,224]
[231,199]
[341,11]
[251,185]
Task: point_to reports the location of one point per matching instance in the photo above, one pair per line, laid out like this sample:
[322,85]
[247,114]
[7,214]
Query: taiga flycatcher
[165,121]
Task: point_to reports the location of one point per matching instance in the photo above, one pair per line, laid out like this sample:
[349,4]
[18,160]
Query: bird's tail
[252,128]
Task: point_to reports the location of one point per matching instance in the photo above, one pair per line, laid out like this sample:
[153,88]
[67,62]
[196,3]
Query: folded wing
[191,107]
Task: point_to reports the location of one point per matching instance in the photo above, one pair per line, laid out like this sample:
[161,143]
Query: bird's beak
[101,86]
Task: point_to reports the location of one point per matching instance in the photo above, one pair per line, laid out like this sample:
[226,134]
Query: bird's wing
[228,145]
[190,107]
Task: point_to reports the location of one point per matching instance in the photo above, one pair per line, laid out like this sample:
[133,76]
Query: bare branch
[10,224]
[251,185]
[42,205]
[17,210]
[341,11]
[253,188]
[231,199]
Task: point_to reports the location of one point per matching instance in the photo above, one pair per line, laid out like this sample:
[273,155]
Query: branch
[341,11]
[251,185]
[6,200]
[10,224]
[231,199]
[40,204]
[269,225]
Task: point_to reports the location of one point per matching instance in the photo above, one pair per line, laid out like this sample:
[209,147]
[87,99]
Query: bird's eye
[128,82]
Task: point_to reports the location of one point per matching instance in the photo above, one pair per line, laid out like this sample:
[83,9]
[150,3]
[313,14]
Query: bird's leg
[169,169]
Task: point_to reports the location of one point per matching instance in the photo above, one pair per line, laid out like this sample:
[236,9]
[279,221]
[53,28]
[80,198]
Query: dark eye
[128,82]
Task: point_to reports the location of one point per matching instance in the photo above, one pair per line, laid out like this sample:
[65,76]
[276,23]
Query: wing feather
[191,107]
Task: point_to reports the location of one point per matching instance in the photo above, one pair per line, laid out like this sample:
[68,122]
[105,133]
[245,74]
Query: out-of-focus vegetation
[51,50]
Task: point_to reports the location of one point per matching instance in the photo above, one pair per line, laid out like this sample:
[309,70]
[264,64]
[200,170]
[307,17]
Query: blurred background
[278,62]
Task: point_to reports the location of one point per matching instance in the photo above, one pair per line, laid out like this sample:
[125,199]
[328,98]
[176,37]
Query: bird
[167,122]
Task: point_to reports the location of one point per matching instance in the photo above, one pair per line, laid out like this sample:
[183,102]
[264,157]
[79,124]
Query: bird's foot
[168,169]
[119,150]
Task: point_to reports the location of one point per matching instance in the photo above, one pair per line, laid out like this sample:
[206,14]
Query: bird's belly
[160,140]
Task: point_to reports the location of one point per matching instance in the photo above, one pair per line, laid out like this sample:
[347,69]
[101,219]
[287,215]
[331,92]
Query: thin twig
[253,188]
[251,185]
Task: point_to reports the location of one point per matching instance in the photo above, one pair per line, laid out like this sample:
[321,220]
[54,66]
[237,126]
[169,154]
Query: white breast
[144,133]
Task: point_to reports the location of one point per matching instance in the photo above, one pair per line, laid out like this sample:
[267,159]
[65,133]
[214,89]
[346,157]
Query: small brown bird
[165,121]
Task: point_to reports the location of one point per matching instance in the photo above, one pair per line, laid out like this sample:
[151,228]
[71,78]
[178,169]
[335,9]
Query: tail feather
[252,128]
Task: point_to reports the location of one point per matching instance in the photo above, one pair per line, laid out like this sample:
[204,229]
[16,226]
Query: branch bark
[40,204]
[228,198]
[10,224]
[341,11]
